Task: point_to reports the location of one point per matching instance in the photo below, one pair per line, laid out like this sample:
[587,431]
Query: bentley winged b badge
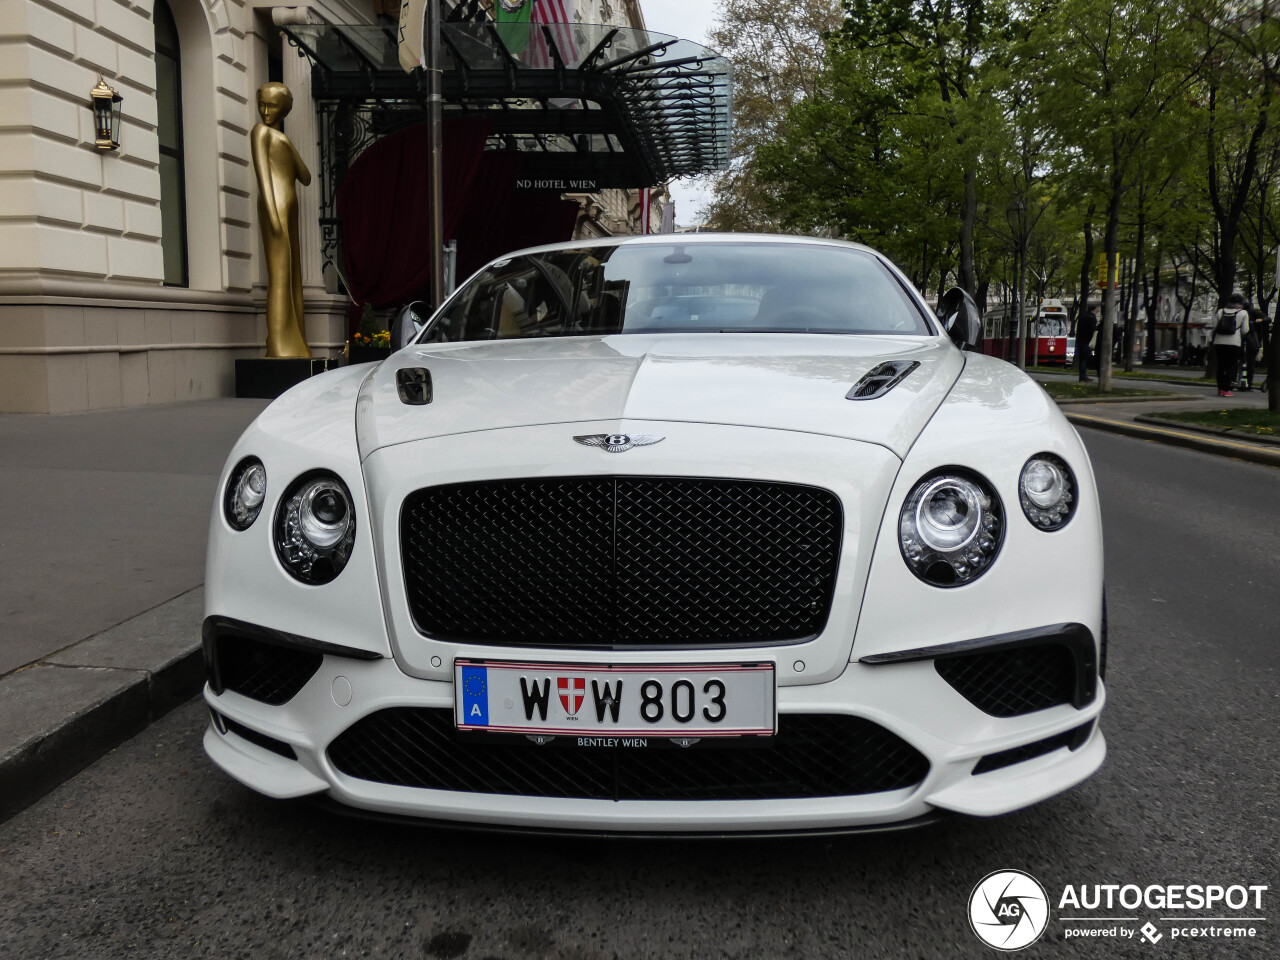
[617,442]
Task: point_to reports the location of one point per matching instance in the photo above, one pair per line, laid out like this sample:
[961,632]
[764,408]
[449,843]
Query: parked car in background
[692,534]
[1166,356]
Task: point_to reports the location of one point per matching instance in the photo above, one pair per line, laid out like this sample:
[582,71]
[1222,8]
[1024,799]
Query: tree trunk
[1139,268]
[1153,309]
[1109,303]
[1273,368]
[968,276]
[1021,302]
[1086,270]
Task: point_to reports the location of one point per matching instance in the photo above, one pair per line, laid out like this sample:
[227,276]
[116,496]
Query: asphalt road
[152,853]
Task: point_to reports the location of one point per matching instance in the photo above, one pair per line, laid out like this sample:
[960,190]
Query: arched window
[173,200]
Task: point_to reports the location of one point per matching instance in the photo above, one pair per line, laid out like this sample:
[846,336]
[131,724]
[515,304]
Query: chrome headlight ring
[245,494]
[315,528]
[1047,490]
[951,527]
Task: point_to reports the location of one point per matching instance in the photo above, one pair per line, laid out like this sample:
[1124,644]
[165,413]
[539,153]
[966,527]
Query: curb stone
[1206,428]
[1160,398]
[1254,453]
[60,714]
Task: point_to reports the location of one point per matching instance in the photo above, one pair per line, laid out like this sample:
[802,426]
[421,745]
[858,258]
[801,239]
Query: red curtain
[383,207]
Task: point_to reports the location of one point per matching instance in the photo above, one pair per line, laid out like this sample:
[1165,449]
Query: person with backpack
[1229,331]
[1085,330]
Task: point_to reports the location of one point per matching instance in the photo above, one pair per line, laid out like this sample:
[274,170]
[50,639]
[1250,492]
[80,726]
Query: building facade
[136,275]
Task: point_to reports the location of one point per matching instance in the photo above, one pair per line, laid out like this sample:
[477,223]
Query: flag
[409,38]
[512,19]
[556,14]
[645,214]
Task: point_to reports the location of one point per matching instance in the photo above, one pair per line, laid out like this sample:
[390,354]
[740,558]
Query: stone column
[302,128]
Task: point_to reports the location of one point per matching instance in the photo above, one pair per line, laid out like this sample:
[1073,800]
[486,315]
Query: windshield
[681,288]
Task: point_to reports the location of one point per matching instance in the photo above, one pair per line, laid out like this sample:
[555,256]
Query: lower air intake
[813,755]
[1009,683]
[260,671]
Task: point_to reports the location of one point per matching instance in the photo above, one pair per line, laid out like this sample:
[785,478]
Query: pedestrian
[1251,345]
[1085,330]
[1263,326]
[1231,323]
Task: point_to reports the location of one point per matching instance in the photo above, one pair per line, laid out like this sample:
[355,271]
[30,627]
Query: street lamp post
[435,225]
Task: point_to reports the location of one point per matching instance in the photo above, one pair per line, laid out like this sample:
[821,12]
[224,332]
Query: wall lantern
[106,115]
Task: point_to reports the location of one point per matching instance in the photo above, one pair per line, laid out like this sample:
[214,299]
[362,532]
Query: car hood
[794,382]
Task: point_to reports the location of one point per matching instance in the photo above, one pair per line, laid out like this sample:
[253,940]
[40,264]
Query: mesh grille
[263,671]
[1009,683]
[813,755]
[621,561]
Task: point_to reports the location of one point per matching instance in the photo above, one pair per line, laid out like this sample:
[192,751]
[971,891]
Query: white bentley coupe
[704,534]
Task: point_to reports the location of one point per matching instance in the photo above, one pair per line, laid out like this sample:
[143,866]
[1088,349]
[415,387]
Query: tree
[944,49]
[777,52]
[1118,74]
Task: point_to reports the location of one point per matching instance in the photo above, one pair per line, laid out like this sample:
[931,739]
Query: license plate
[702,700]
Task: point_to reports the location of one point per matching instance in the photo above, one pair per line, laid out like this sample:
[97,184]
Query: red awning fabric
[383,208]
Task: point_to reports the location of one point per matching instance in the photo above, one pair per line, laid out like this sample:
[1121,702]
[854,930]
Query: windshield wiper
[784,330]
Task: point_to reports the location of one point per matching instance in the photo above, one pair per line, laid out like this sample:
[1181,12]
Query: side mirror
[408,324]
[960,318]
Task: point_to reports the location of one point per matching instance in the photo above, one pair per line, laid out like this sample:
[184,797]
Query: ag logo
[1008,910]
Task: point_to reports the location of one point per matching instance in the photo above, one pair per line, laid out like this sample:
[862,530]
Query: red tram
[1047,330]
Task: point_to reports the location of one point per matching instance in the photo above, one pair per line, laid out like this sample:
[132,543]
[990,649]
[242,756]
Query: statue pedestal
[265,378]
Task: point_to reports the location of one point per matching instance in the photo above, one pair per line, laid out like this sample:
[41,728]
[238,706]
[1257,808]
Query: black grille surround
[1011,683]
[608,562]
[812,755]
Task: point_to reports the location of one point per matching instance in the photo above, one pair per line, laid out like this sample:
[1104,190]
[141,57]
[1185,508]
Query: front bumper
[910,699]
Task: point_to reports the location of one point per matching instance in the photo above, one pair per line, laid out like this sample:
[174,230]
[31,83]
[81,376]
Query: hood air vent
[414,385]
[880,379]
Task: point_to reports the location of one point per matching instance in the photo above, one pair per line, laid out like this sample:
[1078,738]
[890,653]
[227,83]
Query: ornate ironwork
[619,107]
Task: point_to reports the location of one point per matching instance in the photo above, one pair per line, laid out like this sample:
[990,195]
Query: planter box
[358,353]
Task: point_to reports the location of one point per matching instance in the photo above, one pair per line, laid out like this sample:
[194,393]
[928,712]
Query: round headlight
[246,492]
[1047,491]
[950,528]
[315,528]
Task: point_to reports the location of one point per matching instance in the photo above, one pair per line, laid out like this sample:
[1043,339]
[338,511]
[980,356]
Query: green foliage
[939,128]
[369,324]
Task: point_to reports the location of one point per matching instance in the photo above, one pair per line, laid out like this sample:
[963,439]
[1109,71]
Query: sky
[689,20]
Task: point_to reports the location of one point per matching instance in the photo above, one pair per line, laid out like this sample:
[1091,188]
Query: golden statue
[277,165]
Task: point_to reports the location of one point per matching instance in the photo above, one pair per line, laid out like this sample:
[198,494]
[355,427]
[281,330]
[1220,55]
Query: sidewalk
[102,551]
[1134,418]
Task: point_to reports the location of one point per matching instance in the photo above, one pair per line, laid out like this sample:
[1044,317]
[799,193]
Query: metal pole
[435,225]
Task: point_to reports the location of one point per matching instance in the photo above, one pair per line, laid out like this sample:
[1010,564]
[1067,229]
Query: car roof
[691,238]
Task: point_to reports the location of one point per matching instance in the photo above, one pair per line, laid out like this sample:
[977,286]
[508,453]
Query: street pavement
[107,516]
[151,852]
[102,548]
